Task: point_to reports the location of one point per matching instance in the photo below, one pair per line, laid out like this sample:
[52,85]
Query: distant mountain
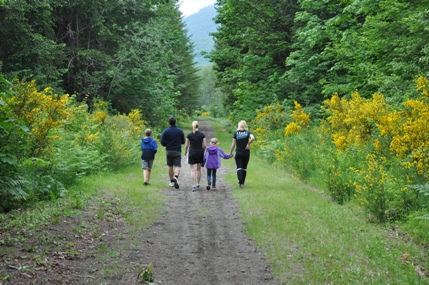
[199,26]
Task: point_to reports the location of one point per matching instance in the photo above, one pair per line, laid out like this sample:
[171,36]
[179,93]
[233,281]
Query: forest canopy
[134,54]
[268,51]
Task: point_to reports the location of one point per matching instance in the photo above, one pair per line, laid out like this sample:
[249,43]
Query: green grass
[127,185]
[310,239]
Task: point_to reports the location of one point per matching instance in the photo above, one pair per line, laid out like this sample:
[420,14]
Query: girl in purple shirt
[212,161]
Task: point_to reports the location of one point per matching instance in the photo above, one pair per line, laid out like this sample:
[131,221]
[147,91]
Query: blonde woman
[242,139]
[196,144]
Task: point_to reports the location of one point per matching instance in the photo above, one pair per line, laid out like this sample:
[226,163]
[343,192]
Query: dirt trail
[198,240]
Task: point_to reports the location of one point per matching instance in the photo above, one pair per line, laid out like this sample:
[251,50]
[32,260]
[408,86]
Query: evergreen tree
[251,46]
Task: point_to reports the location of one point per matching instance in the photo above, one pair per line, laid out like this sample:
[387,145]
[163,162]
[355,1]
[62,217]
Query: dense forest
[134,54]
[306,50]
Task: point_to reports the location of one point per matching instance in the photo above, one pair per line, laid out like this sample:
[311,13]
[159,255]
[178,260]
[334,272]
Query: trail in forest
[200,238]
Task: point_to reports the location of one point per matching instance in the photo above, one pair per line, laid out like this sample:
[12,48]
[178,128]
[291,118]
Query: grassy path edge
[310,239]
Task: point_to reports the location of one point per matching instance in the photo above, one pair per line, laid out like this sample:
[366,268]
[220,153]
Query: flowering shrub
[41,111]
[58,140]
[394,143]
[267,121]
[365,149]
[300,120]
[353,122]
[411,138]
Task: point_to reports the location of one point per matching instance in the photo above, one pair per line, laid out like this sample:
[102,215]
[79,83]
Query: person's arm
[251,139]
[187,145]
[204,144]
[183,137]
[162,141]
[223,154]
[205,158]
[234,141]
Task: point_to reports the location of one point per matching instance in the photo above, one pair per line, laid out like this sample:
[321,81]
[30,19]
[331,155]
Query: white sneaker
[171,184]
[176,183]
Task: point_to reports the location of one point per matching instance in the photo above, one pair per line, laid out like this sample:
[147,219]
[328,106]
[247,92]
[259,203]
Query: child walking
[149,149]
[212,162]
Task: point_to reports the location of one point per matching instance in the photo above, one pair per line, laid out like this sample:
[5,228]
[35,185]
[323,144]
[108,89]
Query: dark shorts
[174,158]
[147,164]
[196,156]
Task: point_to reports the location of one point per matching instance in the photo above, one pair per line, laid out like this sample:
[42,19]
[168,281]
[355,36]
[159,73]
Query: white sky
[189,7]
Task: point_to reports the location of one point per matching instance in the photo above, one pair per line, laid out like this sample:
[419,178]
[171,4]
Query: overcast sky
[189,7]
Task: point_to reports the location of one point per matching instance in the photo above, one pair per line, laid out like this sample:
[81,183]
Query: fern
[13,187]
[422,189]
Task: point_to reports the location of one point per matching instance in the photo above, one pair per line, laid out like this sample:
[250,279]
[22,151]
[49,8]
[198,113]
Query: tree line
[134,54]
[305,50]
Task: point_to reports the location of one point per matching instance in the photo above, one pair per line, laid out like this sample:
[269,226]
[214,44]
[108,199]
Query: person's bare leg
[171,172]
[176,171]
[198,173]
[193,174]
[147,175]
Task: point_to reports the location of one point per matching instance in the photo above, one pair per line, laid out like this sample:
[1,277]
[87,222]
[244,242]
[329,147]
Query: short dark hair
[172,121]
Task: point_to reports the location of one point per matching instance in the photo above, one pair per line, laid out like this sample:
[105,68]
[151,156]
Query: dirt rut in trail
[200,238]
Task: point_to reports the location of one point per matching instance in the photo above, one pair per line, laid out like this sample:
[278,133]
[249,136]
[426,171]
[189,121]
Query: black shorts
[196,156]
[174,158]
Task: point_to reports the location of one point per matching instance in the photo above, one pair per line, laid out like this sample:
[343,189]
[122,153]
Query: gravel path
[200,239]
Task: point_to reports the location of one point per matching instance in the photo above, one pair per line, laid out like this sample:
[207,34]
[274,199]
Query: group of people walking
[198,154]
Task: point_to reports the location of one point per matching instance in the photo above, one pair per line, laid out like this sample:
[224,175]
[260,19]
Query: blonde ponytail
[194,126]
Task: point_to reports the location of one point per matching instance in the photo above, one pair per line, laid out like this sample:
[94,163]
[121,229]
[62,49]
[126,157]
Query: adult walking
[242,140]
[172,139]
[196,144]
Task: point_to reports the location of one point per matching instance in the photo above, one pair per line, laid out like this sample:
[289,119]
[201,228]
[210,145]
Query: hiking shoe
[241,185]
[176,183]
[214,188]
[198,186]
[171,184]
[208,187]
[194,188]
